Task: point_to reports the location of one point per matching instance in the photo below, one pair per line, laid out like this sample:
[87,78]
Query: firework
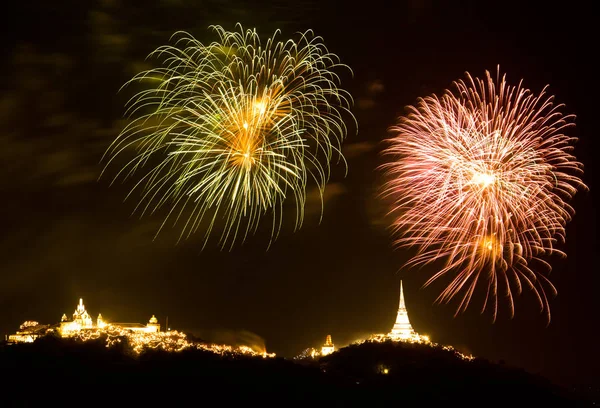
[480,178]
[224,133]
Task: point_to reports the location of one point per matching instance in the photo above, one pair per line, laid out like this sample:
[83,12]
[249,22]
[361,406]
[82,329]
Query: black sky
[67,235]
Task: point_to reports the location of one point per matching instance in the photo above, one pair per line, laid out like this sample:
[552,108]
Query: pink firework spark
[481,177]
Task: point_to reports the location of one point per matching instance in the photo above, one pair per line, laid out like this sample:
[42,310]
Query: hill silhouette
[59,371]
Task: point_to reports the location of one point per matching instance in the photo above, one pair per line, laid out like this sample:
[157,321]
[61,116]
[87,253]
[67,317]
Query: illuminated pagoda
[402,329]
[328,347]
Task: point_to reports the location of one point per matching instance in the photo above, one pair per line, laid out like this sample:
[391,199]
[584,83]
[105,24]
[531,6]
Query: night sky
[66,235]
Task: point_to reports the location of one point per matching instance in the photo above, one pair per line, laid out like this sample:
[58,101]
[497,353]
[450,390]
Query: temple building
[328,347]
[151,327]
[100,323]
[81,321]
[402,329]
[28,332]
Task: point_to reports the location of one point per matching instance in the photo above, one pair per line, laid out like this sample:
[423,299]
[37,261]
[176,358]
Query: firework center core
[483,179]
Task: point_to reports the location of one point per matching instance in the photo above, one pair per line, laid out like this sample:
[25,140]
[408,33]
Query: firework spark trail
[229,130]
[480,178]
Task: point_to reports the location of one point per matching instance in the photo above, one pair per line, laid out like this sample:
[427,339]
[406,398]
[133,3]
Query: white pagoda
[328,347]
[402,329]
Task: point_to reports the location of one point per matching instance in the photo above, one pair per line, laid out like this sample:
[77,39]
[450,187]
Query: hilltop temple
[402,329]
[81,321]
[28,332]
[328,347]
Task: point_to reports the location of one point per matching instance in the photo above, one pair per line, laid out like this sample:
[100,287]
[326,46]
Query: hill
[69,373]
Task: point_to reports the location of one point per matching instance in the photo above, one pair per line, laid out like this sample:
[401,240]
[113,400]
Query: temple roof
[127,325]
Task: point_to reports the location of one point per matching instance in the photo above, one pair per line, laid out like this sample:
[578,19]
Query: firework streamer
[222,134]
[481,178]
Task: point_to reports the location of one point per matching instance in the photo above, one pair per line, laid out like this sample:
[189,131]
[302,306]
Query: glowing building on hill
[402,329]
[328,347]
[100,323]
[313,353]
[151,327]
[82,321]
[28,332]
[138,336]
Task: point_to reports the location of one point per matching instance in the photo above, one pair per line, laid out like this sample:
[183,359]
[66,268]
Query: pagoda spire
[402,328]
[402,305]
